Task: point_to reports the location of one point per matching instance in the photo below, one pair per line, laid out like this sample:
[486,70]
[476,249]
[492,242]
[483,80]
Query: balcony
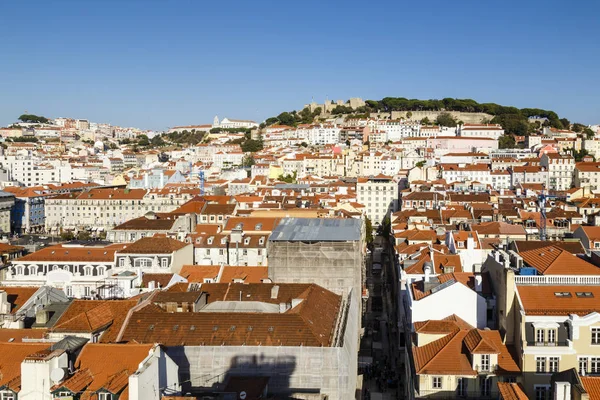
[562,343]
[486,369]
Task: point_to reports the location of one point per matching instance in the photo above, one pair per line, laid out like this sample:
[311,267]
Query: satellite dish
[243,395]
[57,375]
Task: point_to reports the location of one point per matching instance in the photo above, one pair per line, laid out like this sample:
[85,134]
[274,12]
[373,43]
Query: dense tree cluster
[293,118]
[192,137]
[35,119]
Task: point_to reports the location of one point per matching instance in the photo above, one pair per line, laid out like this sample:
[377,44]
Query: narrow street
[379,346]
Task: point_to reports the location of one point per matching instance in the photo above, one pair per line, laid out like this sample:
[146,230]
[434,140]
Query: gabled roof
[447,325]
[552,260]
[11,356]
[91,316]
[106,366]
[153,245]
[450,355]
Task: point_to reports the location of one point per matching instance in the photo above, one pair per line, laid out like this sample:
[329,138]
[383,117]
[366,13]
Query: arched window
[87,270]
[19,270]
[143,262]
[32,270]
[101,270]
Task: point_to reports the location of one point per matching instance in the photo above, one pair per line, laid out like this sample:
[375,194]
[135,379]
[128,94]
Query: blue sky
[155,64]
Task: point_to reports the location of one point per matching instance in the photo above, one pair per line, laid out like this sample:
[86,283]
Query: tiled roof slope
[450,354]
[552,260]
[95,315]
[153,245]
[310,323]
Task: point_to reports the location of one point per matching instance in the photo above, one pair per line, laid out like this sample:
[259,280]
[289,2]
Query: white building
[560,170]
[379,195]
[324,134]
[227,123]
[481,130]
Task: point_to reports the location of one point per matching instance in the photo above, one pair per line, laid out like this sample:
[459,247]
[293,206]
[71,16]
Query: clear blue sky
[154,64]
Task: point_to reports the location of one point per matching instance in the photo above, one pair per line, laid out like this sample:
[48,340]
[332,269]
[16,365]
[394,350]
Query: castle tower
[216,122]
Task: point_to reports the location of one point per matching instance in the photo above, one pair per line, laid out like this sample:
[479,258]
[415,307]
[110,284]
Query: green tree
[425,121]
[368,230]
[506,142]
[408,115]
[421,164]
[288,178]
[286,118]
[577,127]
[445,119]
[248,160]
[143,140]
[157,141]
[31,118]
[589,134]
[304,144]
[252,146]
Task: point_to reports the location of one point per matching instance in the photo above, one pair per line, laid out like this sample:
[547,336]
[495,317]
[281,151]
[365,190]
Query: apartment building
[379,195]
[560,170]
[104,208]
[323,134]
[587,174]
[528,174]
[7,203]
[481,130]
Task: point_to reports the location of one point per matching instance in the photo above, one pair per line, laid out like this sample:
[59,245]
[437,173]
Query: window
[69,291]
[86,291]
[121,262]
[164,262]
[583,366]
[461,389]
[553,364]
[595,335]
[142,262]
[87,271]
[7,395]
[104,396]
[551,337]
[486,387]
[540,365]
[485,362]
[437,382]
[541,393]
[595,365]
[539,336]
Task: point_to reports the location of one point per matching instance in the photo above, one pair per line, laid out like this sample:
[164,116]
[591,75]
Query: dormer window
[210,240]
[247,241]
[224,241]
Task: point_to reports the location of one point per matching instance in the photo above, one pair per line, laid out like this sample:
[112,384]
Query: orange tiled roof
[152,245]
[512,391]
[450,354]
[552,260]
[542,300]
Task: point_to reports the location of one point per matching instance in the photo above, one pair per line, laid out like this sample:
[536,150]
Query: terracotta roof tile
[542,300]
[153,245]
[512,391]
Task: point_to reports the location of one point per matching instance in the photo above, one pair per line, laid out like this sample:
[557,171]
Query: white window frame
[164,262]
[436,382]
[553,364]
[595,335]
[540,365]
[485,362]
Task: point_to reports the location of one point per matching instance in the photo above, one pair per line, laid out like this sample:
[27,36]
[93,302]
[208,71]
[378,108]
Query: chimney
[274,292]
[478,283]
[562,391]
[428,270]
[42,317]
[4,304]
